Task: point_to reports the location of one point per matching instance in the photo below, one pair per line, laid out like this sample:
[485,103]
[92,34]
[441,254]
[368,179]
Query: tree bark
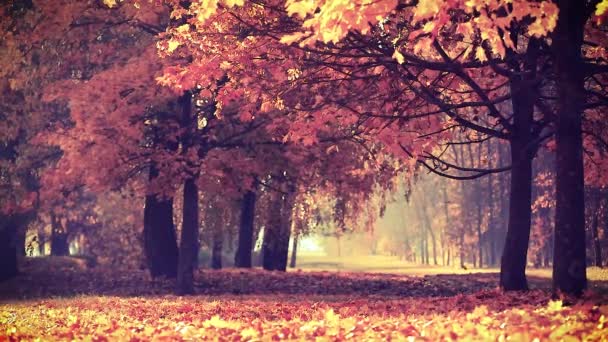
[59,238]
[275,248]
[189,240]
[294,251]
[160,241]
[595,239]
[217,246]
[515,251]
[245,244]
[189,244]
[8,250]
[514,258]
[491,229]
[272,230]
[569,260]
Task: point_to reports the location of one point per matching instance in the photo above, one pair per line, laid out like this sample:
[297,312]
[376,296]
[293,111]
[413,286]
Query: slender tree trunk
[427,224]
[479,234]
[245,244]
[449,257]
[59,238]
[294,250]
[595,238]
[504,188]
[160,241]
[569,261]
[446,228]
[189,240]
[491,228]
[286,227]
[217,246]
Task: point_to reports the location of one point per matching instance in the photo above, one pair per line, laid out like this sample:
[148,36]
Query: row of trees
[463,223]
[306,97]
[521,73]
[116,128]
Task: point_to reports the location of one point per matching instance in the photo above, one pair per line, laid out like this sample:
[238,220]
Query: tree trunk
[286,225]
[514,258]
[59,238]
[504,187]
[294,251]
[479,234]
[491,229]
[515,252]
[275,247]
[427,225]
[189,240]
[597,249]
[217,246]
[569,260]
[8,251]
[272,230]
[245,244]
[160,241]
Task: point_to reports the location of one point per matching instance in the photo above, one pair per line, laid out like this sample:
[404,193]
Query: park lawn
[254,305]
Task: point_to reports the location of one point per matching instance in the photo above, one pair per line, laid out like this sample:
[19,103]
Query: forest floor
[59,299]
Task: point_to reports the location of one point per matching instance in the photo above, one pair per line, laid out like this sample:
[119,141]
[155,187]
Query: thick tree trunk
[569,260]
[278,230]
[188,248]
[272,229]
[294,251]
[8,251]
[160,241]
[245,244]
[515,251]
[514,258]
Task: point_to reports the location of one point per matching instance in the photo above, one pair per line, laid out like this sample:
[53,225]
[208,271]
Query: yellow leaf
[232,3]
[601,8]
[429,27]
[173,44]
[398,56]
[301,8]
[555,305]
[183,28]
[206,9]
[110,3]
[426,9]
[480,54]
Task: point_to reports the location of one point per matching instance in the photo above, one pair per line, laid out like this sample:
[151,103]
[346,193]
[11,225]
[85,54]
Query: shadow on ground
[63,277]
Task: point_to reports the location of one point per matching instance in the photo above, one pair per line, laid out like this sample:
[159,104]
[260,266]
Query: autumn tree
[491,69]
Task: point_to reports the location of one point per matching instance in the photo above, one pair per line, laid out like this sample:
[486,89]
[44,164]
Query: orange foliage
[485,315]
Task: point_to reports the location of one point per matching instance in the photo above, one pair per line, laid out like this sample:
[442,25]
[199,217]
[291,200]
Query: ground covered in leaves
[75,303]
